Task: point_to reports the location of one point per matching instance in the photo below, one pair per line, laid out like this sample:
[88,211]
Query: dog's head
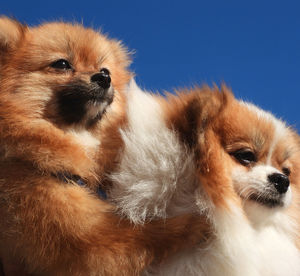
[60,72]
[264,154]
[243,154]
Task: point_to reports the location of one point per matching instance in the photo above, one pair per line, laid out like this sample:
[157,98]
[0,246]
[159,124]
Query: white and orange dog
[204,151]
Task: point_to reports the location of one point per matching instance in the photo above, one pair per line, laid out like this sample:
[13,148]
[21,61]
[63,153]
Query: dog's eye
[244,156]
[286,171]
[61,64]
[105,71]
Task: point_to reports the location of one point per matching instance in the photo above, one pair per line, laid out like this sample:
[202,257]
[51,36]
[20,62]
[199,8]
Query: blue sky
[253,46]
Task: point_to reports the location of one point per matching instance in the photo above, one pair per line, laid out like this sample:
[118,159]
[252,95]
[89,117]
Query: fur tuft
[154,162]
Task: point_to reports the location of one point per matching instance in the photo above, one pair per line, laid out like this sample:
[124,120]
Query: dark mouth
[266,201]
[108,99]
[75,100]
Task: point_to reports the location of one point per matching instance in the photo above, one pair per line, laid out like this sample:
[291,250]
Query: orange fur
[192,113]
[65,230]
[49,227]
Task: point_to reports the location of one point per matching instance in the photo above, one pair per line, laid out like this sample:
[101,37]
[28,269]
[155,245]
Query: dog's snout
[280,181]
[102,79]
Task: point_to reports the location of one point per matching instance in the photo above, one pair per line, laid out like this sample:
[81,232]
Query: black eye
[104,71]
[286,171]
[244,156]
[61,64]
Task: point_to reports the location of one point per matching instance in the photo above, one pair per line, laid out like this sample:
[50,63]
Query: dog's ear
[214,105]
[192,111]
[211,159]
[11,33]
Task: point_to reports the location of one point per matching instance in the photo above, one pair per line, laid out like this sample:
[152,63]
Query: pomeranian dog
[204,151]
[61,104]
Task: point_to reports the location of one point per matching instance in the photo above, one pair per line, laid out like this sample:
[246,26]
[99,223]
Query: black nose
[280,181]
[102,78]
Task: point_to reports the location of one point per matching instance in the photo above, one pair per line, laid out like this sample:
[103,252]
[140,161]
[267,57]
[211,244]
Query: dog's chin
[264,210]
[96,107]
[266,201]
[270,201]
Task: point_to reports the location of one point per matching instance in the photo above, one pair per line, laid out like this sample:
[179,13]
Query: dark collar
[67,178]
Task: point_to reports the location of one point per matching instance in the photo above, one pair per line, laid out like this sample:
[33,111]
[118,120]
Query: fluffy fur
[61,104]
[204,150]
[158,166]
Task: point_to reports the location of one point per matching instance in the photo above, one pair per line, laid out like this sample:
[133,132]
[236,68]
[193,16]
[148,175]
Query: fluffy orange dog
[61,99]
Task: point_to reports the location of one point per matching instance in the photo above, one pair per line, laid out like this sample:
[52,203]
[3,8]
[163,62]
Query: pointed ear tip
[11,30]
[226,91]
[9,21]
[4,18]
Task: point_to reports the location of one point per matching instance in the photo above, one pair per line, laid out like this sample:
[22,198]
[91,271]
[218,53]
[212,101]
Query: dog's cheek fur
[118,64]
[295,183]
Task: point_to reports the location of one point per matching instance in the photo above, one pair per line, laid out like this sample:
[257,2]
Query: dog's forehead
[246,125]
[243,124]
[270,134]
[73,41]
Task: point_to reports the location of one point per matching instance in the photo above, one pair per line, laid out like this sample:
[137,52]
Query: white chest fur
[86,139]
[155,178]
[237,249]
